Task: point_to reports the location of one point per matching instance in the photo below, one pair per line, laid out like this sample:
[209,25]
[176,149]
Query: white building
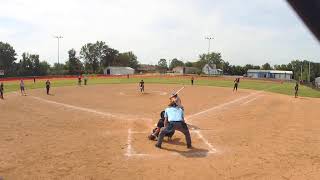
[114,70]
[273,74]
[317,82]
[184,70]
[211,70]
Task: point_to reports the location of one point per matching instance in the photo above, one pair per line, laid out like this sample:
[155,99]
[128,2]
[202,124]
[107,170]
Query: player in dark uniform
[296,89]
[79,80]
[236,83]
[1,90]
[48,84]
[192,79]
[85,80]
[141,84]
[156,131]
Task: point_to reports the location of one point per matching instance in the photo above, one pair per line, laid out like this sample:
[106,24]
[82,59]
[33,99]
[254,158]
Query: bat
[179,90]
[173,94]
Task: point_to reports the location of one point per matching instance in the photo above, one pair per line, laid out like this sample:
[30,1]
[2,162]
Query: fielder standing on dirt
[48,85]
[141,84]
[79,80]
[23,93]
[192,79]
[174,120]
[1,90]
[85,80]
[236,83]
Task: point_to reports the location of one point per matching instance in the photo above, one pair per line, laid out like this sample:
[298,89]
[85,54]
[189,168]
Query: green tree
[189,64]
[44,68]
[162,65]
[7,59]
[109,57]
[73,64]
[212,58]
[175,63]
[266,66]
[93,54]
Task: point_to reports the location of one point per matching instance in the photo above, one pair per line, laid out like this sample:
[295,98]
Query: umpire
[174,120]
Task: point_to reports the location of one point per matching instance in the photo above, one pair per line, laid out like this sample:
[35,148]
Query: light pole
[309,72]
[301,74]
[209,39]
[58,37]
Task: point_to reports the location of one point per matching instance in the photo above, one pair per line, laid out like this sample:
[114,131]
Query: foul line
[212,149]
[221,105]
[105,114]
[250,100]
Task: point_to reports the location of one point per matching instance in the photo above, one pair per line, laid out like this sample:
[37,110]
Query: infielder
[236,83]
[296,89]
[141,84]
[48,85]
[79,80]
[1,90]
[23,93]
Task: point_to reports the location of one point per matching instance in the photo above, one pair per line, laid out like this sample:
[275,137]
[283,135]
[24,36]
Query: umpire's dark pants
[179,126]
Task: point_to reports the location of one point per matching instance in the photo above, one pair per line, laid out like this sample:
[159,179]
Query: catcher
[156,131]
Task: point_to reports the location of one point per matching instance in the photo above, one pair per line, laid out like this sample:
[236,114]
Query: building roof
[178,68]
[212,66]
[268,71]
[119,67]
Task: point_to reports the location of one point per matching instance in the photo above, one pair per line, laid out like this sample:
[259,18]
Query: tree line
[297,66]
[93,58]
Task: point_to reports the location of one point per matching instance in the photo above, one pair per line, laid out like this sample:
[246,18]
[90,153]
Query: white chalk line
[129,146]
[104,114]
[212,149]
[221,106]
[130,152]
[250,100]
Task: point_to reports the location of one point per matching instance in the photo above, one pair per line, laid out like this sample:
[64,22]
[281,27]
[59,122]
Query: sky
[244,32]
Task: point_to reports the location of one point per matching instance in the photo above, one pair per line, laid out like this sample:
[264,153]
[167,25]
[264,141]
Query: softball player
[296,89]
[48,85]
[1,90]
[141,84]
[23,93]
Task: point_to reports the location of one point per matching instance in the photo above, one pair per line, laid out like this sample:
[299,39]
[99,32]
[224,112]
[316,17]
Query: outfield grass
[284,88]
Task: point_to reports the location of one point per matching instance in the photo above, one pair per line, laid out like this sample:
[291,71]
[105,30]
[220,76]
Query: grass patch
[284,88]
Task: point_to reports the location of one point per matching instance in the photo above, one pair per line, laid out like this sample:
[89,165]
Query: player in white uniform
[23,93]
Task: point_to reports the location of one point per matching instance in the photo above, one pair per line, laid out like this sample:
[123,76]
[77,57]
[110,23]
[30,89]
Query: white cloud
[160,29]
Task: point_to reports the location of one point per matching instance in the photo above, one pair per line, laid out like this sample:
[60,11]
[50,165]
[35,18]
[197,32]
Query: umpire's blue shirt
[174,114]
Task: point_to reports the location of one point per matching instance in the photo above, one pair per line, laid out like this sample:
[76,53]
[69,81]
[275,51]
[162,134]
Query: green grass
[285,88]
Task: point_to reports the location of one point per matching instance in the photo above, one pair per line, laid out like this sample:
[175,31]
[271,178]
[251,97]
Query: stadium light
[209,39]
[58,37]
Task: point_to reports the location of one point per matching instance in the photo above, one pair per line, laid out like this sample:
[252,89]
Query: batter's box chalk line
[131,153]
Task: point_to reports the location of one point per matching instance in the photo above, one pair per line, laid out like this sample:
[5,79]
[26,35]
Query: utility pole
[58,37]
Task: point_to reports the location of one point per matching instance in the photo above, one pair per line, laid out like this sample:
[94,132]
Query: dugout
[116,70]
